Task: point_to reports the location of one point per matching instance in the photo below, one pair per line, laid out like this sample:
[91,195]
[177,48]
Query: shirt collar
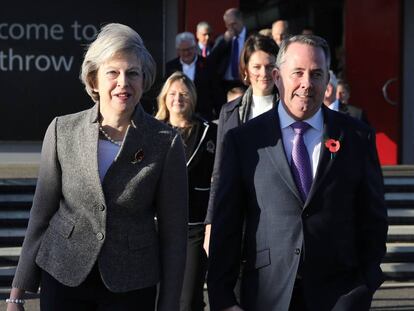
[316,121]
[242,34]
[334,105]
[189,65]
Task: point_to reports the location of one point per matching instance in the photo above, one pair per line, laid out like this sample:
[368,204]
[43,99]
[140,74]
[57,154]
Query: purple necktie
[300,164]
[235,58]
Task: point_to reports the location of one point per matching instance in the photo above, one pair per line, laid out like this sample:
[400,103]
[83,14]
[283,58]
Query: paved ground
[395,298]
[19,159]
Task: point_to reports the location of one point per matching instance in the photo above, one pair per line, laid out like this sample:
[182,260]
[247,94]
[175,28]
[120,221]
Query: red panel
[210,11]
[372,47]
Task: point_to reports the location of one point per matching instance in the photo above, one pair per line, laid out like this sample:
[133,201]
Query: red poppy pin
[138,157]
[333,146]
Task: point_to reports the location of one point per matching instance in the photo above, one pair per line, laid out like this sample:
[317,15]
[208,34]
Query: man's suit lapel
[331,130]
[276,151]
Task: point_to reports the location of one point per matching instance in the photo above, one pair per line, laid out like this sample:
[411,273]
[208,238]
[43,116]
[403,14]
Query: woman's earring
[245,78]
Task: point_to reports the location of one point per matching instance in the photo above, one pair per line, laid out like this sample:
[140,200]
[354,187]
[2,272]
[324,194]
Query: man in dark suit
[332,102]
[224,58]
[342,94]
[203,34]
[196,69]
[300,200]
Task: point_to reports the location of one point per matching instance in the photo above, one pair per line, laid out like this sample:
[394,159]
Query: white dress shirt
[334,105]
[312,137]
[189,69]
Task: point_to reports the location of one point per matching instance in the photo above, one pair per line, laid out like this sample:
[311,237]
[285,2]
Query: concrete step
[400,216]
[11,236]
[20,185]
[398,170]
[10,252]
[14,214]
[403,233]
[6,198]
[15,232]
[6,275]
[399,252]
[399,181]
[398,271]
[399,199]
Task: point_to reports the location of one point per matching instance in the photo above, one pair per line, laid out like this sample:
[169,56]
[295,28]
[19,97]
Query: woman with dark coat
[176,105]
[257,64]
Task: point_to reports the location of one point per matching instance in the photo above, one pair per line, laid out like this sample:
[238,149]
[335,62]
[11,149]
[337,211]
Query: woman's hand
[14,307]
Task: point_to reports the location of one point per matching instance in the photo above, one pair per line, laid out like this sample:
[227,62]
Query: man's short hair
[332,79]
[311,40]
[184,37]
[235,12]
[202,25]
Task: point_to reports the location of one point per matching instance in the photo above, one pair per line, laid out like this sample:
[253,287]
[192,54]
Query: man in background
[196,69]
[224,58]
[203,34]
[332,101]
[280,30]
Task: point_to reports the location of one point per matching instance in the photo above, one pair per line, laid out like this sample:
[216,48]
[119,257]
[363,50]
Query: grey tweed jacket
[76,221]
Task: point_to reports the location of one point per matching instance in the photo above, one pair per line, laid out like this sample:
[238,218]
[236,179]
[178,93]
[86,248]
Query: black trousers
[297,302]
[92,295]
[192,296]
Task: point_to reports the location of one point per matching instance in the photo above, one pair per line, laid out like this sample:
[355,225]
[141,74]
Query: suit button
[297,251]
[100,236]
[101,207]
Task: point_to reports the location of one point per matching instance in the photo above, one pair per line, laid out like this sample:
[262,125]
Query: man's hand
[229,34]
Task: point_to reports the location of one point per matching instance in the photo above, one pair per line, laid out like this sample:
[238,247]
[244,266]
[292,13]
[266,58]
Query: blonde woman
[176,106]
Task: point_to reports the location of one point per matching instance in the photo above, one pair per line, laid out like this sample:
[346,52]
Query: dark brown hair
[256,42]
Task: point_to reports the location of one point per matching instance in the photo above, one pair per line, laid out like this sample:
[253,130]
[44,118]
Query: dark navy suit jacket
[339,232]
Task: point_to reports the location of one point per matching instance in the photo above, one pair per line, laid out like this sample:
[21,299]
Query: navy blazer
[340,231]
[200,167]
[229,118]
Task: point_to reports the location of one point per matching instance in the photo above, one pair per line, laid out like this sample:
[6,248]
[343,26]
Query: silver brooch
[210,146]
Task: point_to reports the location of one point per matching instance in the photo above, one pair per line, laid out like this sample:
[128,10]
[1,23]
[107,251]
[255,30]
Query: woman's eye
[111,73]
[135,73]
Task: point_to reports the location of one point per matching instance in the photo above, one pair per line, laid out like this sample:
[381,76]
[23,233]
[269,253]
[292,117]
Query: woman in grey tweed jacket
[106,173]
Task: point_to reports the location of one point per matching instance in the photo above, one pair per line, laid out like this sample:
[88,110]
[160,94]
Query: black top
[200,146]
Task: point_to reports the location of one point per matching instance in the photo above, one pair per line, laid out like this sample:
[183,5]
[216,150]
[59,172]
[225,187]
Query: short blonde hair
[111,40]
[163,113]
